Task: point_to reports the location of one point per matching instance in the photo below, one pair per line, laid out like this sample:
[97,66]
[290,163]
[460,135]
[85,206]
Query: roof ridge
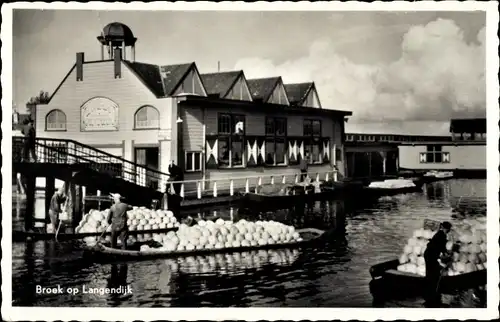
[226,72]
[263,78]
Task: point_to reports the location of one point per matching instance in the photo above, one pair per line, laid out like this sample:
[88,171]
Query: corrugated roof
[220,83]
[150,76]
[468,125]
[262,88]
[173,75]
[297,92]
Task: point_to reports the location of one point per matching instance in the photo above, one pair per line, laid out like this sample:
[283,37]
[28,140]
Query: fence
[232,186]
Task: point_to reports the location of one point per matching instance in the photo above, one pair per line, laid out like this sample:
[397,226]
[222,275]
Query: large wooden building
[377,155]
[465,151]
[214,126]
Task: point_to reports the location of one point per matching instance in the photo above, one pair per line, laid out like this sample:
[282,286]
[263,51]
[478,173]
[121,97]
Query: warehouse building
[214,126]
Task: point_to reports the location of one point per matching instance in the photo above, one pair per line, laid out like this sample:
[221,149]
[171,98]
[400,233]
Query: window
[55,121]
[147,117]
[276,129]
[191,85]
[434,154]
[313,146]
[338,154]
[193,161]
[231,136]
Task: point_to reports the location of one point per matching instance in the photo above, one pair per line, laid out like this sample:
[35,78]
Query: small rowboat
[104,253]
[40,235]
[433,176]
[288,197]
[388,281]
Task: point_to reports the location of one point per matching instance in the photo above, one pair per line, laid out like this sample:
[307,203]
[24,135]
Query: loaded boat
[433,176]
[393,279]
[392,187]
[104,253]
[386,279]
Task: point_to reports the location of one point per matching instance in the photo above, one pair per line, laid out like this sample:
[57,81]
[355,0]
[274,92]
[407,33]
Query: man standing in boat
[117,218]
[56,207]
[436,247]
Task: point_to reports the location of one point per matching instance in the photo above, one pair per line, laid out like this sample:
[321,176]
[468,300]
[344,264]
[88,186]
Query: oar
[441,275]
[57,230]
[65,205]
[100,237]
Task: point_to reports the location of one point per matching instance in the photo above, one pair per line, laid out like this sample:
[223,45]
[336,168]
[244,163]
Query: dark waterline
[334,274]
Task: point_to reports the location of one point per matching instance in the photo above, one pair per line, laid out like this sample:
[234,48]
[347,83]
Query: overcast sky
[398,72]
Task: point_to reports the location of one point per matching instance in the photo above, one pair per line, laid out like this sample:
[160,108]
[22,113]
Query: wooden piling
[50,187]
[30,202]
[74,193]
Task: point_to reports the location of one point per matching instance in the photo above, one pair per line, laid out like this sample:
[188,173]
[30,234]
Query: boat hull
[387,282]
[381,192]
[101,253]
[23,235]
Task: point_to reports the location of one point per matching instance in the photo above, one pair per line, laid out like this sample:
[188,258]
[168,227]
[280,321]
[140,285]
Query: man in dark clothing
[55,208]
[117,218]
[29,142]
[176,174]
[304,163]
[435,248]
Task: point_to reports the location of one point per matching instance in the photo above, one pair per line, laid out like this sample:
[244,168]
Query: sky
[398,72]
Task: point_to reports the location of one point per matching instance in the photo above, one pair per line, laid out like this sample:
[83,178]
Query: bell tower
[117,36]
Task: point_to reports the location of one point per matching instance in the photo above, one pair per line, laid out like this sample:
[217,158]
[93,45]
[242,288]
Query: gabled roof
[297,93]
[468,125]
[150,76]
[262,88]
[220,83]
[173,75]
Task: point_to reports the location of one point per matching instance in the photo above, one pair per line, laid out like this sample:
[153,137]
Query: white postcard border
[50,314]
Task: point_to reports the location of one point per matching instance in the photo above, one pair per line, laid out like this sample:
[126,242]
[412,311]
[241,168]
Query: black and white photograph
[258,155]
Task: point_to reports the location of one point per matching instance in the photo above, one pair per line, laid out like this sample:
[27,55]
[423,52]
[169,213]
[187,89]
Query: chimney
[118,62]
[79,66]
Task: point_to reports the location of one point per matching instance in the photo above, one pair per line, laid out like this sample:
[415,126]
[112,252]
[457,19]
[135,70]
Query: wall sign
[99,114]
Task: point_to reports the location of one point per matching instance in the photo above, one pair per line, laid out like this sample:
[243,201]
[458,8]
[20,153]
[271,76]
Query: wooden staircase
[83,165]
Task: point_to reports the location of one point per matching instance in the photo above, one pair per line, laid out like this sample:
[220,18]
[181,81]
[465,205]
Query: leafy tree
[42,98]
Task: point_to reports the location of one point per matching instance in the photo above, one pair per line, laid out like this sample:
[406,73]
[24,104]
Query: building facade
[212,125]
[374,155]
[464,151]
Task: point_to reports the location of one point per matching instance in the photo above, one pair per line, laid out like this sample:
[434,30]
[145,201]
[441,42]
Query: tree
[42,98]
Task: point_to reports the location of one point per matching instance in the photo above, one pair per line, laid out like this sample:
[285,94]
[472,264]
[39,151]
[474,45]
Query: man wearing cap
[435,248]
[56,207]
[117,218]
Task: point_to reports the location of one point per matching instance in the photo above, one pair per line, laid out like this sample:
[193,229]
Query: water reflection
[117,281]
[331,273]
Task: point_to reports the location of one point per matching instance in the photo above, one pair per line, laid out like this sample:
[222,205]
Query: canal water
[333,274]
